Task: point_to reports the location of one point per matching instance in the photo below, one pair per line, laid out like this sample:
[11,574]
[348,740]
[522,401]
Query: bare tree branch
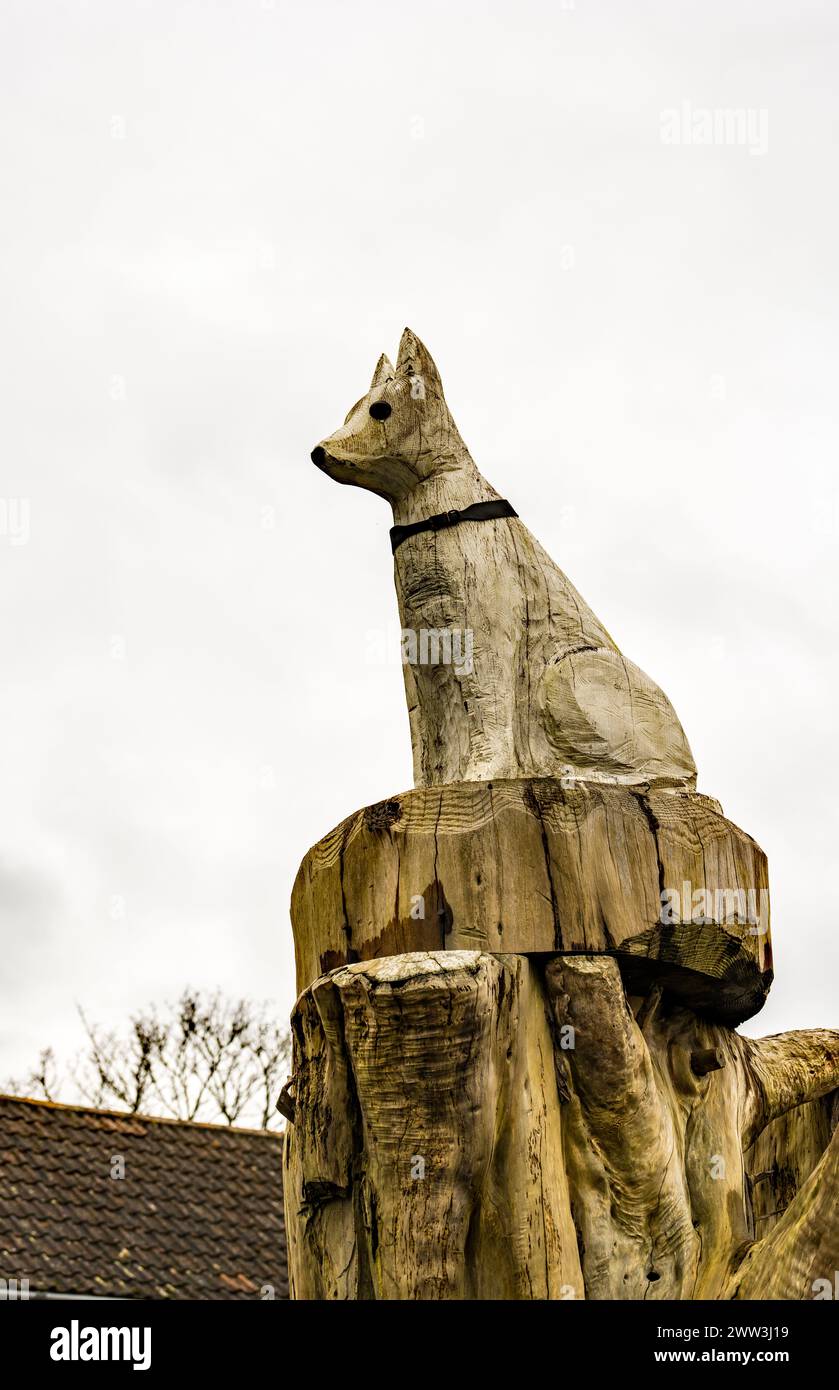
[205,1058]
[42,1082]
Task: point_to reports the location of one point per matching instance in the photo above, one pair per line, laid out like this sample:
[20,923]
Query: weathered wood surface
[660,1195]
[449,1143]
[785,1154]
[425,1159]
[799,1257]
[536,685]
[538,866]
[515,1074]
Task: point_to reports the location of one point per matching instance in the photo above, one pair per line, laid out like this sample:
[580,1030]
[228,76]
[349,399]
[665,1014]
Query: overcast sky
[216,217]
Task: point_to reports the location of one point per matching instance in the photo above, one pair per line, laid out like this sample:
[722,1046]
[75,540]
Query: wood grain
[540,687]
[469,1125]
[425,1160]
[516,1070]
[533,866]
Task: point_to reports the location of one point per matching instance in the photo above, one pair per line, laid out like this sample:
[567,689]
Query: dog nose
[319,456]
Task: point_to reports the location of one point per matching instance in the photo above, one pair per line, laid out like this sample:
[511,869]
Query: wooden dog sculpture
[537,688]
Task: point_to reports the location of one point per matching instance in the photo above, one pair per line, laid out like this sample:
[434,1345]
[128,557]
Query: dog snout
[319,456]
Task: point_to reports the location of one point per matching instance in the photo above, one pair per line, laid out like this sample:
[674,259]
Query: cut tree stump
[470,1125]
[660,880]
[425,1160]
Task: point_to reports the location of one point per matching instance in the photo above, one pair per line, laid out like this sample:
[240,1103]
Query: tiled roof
[198,1214]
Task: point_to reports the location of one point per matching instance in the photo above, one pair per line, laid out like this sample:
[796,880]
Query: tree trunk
[534,1090]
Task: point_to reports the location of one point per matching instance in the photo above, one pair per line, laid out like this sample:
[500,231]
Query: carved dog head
[397,435]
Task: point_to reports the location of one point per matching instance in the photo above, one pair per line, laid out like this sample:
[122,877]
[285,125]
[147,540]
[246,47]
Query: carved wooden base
[660,880]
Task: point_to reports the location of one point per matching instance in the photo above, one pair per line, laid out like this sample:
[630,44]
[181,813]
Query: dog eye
[380,410]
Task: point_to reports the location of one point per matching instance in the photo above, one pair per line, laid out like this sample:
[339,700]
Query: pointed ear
[415,360]
[384,371]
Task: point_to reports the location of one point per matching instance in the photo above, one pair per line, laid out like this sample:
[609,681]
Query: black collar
[479,511]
